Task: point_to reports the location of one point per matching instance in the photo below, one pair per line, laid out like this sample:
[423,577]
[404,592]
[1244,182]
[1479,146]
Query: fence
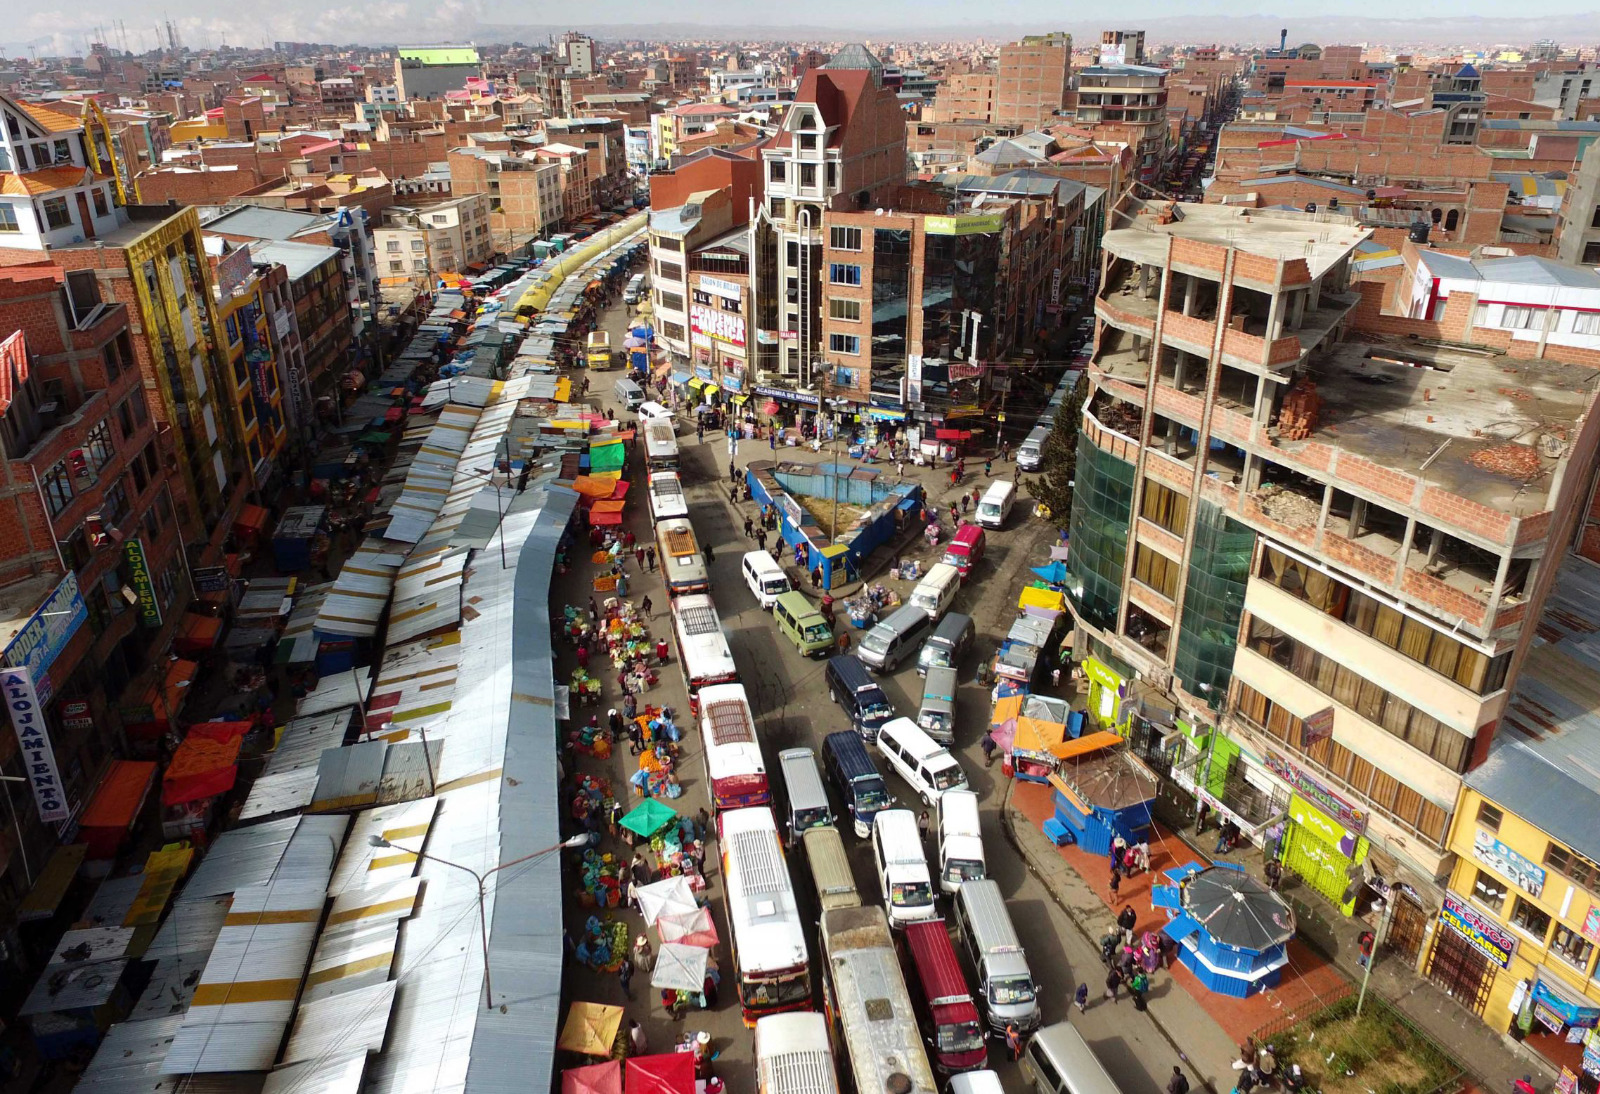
[1444,1074]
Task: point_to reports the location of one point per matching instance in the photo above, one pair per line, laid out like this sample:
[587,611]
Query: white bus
[660,444]
[793,1055]
[683,567]
[866,994]
[703,654]
[666,495]
[769,943]
[734,766]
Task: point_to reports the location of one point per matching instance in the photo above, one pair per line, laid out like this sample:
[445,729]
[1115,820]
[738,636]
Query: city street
[792,708]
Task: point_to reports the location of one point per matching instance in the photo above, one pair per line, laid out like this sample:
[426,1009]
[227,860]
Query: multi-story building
[149,257]
[602,139]
[1323,554]
[88,521]
[428,72]
[1577,236]
[1122,47]
[444,238]
[1033,79]
[525,194]
[1134,99]
[841,145]
[254,378]
[319,298]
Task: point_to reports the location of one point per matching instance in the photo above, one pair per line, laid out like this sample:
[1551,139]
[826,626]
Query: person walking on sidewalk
[1127,920]
[988,744]
[1116,879]
[1113,984]
[625,976]
[638,556]
[1179,1083]
[645,606]
[749,528]
[1081,998]
[650,558]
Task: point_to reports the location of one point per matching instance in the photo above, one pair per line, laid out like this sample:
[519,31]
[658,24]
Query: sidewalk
[1202,1025]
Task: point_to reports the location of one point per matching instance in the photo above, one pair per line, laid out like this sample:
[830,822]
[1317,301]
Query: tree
[1059,458]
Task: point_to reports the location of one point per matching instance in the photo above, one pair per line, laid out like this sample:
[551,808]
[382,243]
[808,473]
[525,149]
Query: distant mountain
[1467,32]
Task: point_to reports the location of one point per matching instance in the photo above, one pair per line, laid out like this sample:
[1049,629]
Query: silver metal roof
[289,777]
[112,901]
[242,857]
[353,1019]
[337,1074]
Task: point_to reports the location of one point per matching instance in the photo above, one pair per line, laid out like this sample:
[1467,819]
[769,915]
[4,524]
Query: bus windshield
[960,1037]
[910,894]
[766,993]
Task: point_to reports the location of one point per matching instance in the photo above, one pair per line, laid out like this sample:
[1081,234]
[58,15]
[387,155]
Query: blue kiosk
[1232,931]
[1100,792]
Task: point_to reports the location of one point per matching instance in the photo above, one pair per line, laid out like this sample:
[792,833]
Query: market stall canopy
[665,1073]
[591,1029]
[109,815]
[1035,597]
[648,817]
[680,967]
[205,764]
[1055,572]
[669,896]
[690,928]
[603,1078]
[1238,910]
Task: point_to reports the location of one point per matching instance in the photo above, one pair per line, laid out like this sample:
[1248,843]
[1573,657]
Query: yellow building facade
[252,379]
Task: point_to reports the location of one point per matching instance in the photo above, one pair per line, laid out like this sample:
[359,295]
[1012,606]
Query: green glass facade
[1102,503]
[1213,601]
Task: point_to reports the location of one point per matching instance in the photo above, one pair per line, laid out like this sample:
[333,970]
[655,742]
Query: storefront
[1558,1021]
[1469,950]
[1107,688]
[782,403]
[1323,840]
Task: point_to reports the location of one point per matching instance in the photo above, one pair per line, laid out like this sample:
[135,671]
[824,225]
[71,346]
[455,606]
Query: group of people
[1127,860]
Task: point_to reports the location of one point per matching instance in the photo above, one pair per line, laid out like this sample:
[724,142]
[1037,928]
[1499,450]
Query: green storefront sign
[144,585]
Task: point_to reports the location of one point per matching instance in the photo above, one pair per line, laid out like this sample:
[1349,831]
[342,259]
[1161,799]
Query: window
[1489,817]
[673,331]
[97,448]
[808,176]
[56,214]
[1586,322]
[232,324]
[99,197]
[1527,916]
[8,218]
[1516,318]
[1489,891]
[844,343]
[776,170]
[114,505]
[844,239]
[83,297]
[63,151]
[669,271]
[419,264]
[848,310]
[841,274]
[1155,570]
[1571,946]
[440,218]
[392,245]
[397,266]
[1585,873]
[1165,506]
[808,142]
[416,244]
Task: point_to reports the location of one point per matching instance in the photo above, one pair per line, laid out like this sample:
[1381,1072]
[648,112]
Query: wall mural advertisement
[1523,873]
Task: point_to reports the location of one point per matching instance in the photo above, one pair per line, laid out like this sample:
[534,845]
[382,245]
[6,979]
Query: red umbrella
[664,1073]
[603,1078]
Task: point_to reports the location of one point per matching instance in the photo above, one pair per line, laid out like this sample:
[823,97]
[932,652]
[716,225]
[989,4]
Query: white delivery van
[902,868]
[1030,454]
[925,764]
[960,843]
[996,504]
[937,590]
[765,577]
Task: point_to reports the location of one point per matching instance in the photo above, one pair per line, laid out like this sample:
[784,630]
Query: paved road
[793,708]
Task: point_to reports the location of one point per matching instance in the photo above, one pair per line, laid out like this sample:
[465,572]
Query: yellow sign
[967,224]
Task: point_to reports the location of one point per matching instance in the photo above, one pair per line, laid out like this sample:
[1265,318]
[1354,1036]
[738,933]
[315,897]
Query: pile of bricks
[1301,409]
[1514,461]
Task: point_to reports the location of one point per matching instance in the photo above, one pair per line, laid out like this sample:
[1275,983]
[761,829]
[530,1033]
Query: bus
[734,766]
[770,962]
[666,495]
[599,350]
[703,654]
[793,1055]
[683,567]
[660,444]
[866,997]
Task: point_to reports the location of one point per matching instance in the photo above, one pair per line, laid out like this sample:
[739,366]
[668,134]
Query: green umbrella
[648,818]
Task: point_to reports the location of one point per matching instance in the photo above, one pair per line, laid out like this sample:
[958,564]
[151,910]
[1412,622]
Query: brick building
[1032,80]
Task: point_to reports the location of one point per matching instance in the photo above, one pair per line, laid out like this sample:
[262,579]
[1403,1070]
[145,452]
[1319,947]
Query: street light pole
[582,839]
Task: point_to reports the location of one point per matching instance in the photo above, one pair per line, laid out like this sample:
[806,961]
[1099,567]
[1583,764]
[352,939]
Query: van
[891,640]
[943,1002]
[975,1082]
[1059,1061]
[937,590]
[948,643]
[831,875]
[635,290]
[902,868]
[996,504]
[805,801]
[965,549]
[961,855]
[925,764]
[937,714]
[858,694]
[651,411]
[628,393]
[765,577]
[1030,453]
[801,623]
[853,775]
[1006,992]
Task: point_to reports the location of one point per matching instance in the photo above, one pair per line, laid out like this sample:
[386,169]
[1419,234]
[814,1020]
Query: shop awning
[605,520]
[609,505]
[119,796]
[205,764]
[680,377]
[50,888]
[952,434]
[1035,597]
[710,389]
[695,383]
[197,633]
[740,400]
[1089,742]
[252,519]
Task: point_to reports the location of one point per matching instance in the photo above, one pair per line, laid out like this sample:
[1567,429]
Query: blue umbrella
[1055,572]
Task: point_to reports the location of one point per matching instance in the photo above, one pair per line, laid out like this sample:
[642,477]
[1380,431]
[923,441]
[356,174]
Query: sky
[206,23]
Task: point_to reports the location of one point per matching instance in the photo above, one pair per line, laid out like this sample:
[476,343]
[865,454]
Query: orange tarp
[206,764]
[1089,742]
[1037,736]
[252,517]
[116,800]
[595,486]
[607,506]
[1006,708]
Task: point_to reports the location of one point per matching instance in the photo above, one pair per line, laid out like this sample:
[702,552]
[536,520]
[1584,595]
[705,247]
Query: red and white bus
[769,942]
[734,767]
[703,654]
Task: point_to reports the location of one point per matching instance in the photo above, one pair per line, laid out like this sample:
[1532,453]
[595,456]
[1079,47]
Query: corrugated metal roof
[416,682]
[427,594]
[360,591]
[299,847]
[129,1059]
[191,926]
[289,778]
[112,901]
[346,689]
[172,984]
[325,1075]
[346,960]
[354,1019]
[91,944]
[76,985]
[297,635]
[362,866]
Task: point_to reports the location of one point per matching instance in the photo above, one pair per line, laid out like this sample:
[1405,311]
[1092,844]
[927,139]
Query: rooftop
[298,259]
[257,220]
[1545,762]
[1516,270]
[1425,410]
[1279,235]
[18,602]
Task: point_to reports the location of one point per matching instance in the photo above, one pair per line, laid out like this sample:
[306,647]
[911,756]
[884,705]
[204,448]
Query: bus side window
[1044,1068]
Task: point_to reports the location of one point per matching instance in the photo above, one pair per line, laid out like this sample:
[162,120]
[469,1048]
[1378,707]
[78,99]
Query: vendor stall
[1100,792]
[590,1029]
[108,818]
[149,708]
[202,769]
[1233,931]
[293,539]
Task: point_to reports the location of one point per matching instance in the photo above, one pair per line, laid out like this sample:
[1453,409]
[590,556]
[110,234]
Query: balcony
[1128,311]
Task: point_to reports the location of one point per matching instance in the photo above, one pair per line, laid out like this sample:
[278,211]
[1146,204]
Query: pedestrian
[625,976]
[1016,473]
[1138,983]
[1081,997]
[709,553]
[640,868]
[900,468]
[749,528]
[1201,816]
[638,557]
[700,430]
[615,817]
[1113,984]
[772,439]
[761,538]
[644,956]
[638,1043]
[645,606]
[843,641]
[954,478]
[1127,920]
[1274,872]
[922,824]
[594,612]
[1364,946]
[816,577]
[988,469]
[988,744]
[1142,855]
[965,501]
[650,558]
[622,584]
[1014,1040]
[1116,881]
[1118,846]
[1179,1083]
